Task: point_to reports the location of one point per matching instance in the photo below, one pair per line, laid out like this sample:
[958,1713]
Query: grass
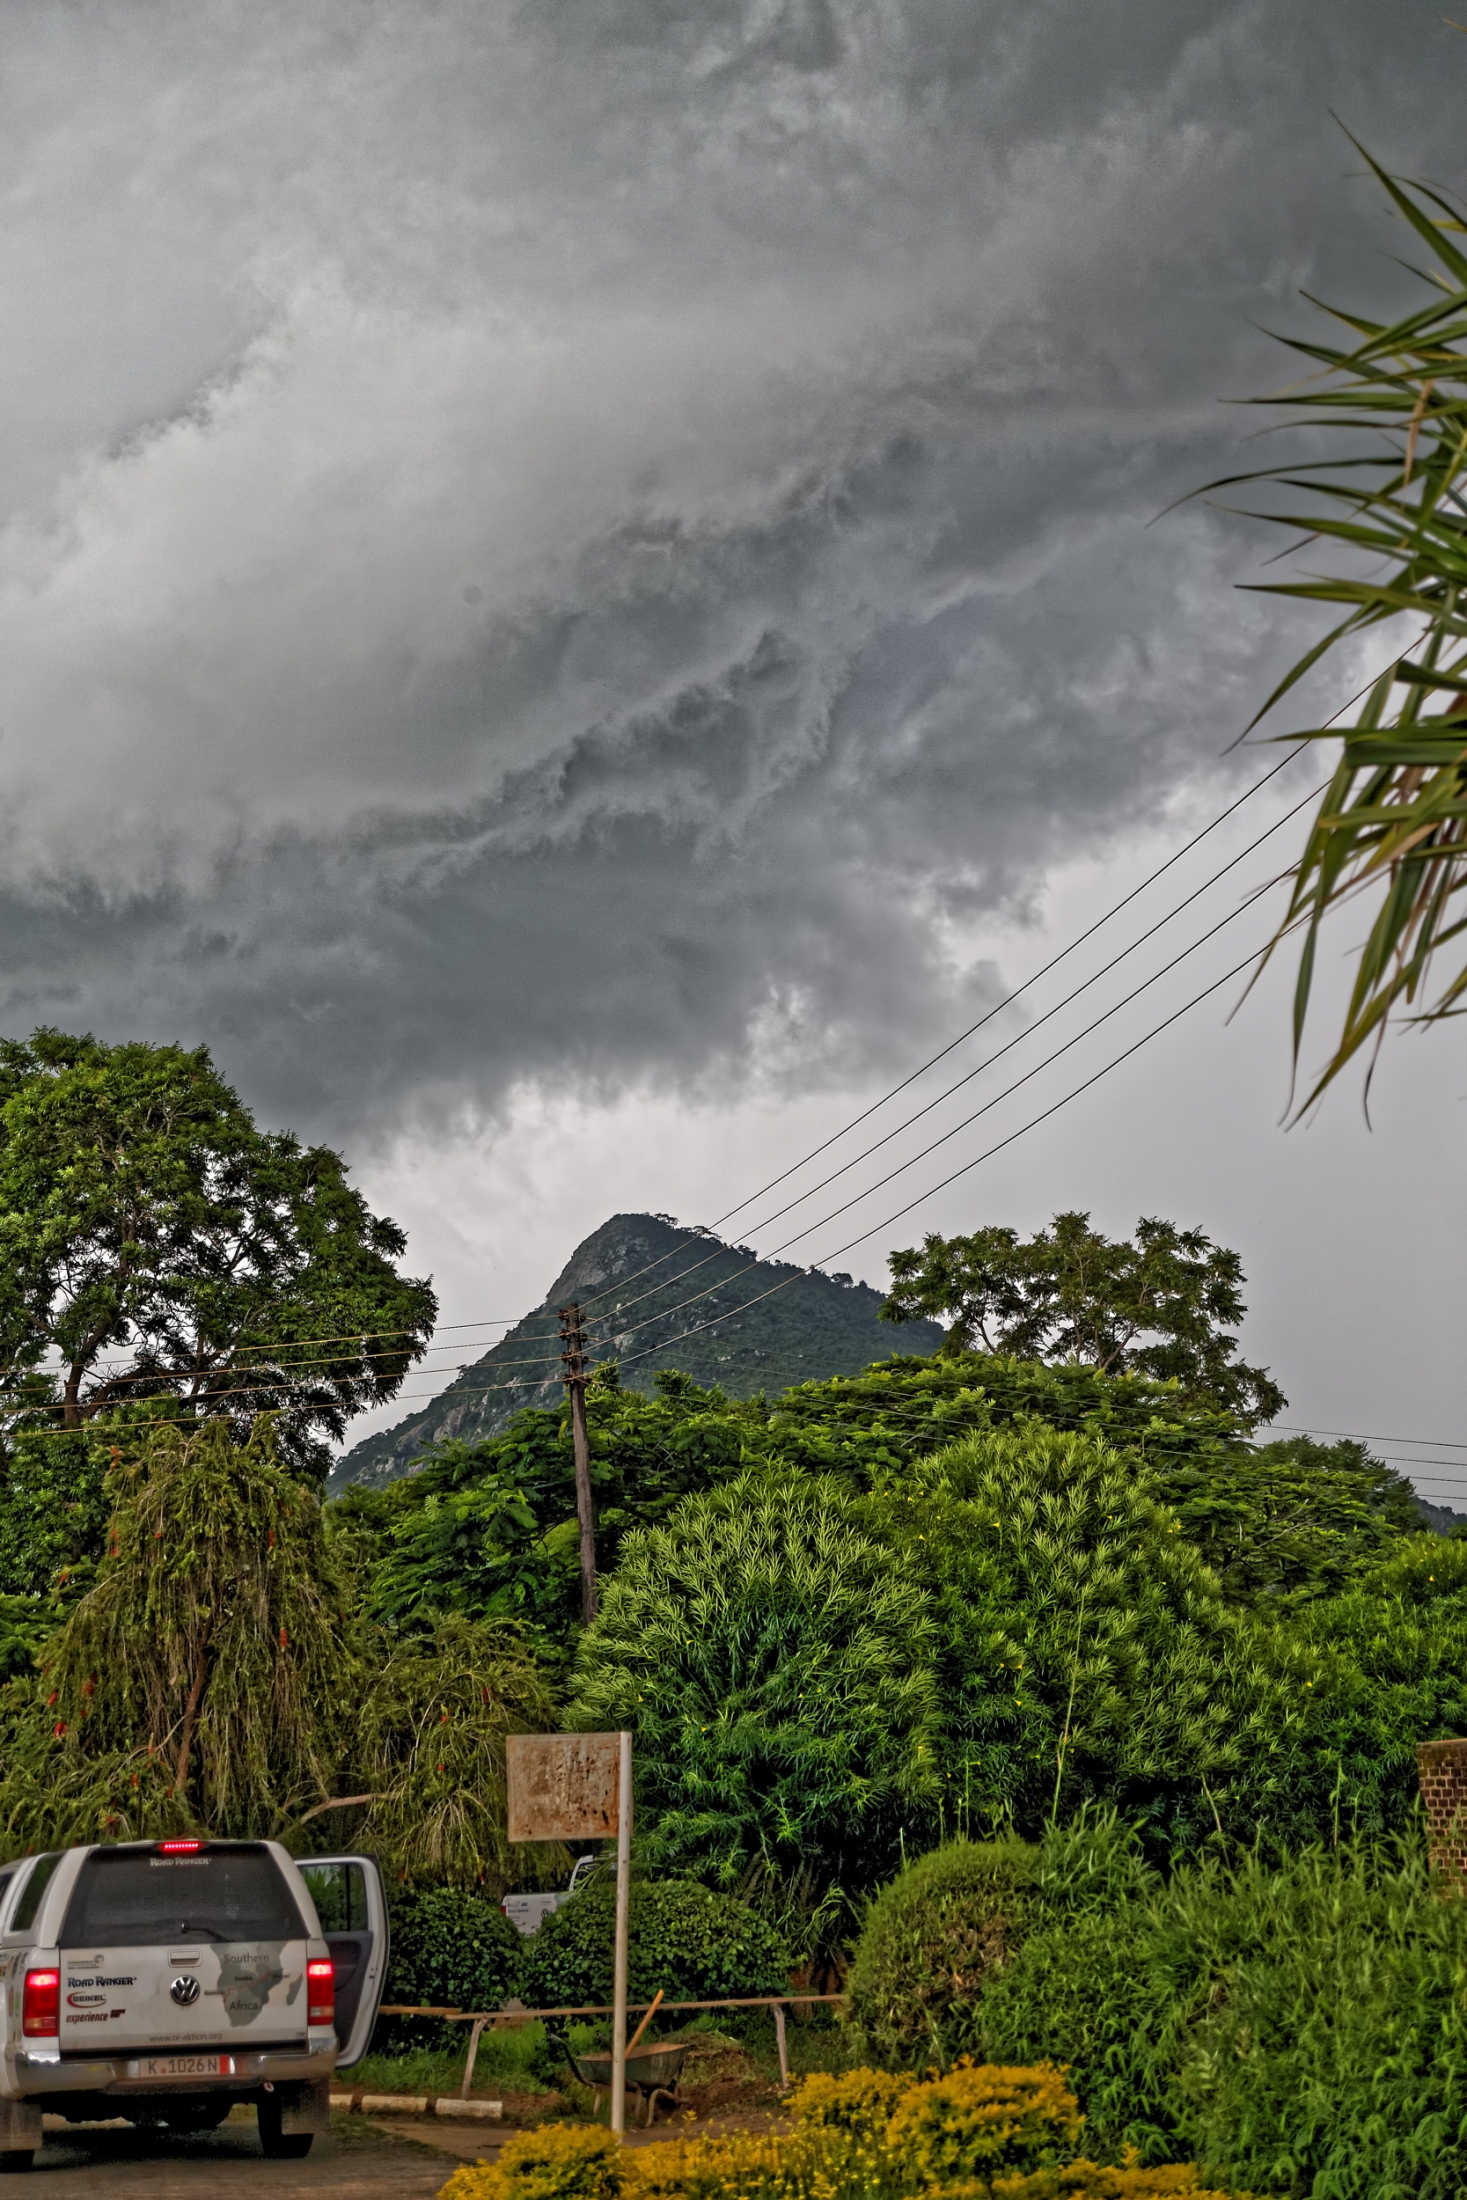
[507,2062]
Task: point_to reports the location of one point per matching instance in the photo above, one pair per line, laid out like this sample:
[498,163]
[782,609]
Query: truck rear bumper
[29,2077]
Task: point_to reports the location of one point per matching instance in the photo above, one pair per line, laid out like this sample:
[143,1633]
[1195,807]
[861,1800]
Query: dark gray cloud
[603,539]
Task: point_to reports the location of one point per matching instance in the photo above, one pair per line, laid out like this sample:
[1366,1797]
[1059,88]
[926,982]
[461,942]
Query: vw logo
[185,1991]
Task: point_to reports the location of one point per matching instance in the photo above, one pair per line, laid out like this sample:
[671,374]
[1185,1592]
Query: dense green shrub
[774,1657]
[453,1950]
[929,1940]
[1086,1652]
[1301,2029]
[695,1945]
[937,1935]
[1370,1673]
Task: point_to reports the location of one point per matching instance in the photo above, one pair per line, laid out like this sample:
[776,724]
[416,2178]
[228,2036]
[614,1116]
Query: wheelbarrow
[652,2074]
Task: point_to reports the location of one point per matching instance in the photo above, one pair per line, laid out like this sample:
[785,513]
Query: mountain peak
[656,1293]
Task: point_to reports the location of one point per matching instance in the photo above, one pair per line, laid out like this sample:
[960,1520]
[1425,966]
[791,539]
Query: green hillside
[657,1295]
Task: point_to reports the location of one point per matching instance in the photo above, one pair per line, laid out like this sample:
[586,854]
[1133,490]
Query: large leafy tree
[156,1244]
[1390,834]
[1297,1519]
[1159,1304]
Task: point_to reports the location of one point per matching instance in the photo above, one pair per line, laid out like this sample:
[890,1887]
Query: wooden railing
[513,2013]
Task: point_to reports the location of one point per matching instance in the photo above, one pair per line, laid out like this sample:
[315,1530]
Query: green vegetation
[489,1529]
[929,1940]
[695,1945]
[776,1663]
[1300,2027]
[509,2061]
[1297,2027]
[1157,1306]
[160,1247]
[1140,1697]
[451,1948]
[219,1675]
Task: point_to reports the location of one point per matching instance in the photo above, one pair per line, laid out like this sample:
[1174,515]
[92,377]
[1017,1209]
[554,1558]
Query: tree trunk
[190,1714]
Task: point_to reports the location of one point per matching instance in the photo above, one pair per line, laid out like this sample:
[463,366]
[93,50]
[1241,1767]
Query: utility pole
[573,1359]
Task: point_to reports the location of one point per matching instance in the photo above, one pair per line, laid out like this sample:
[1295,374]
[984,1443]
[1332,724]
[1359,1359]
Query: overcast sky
[577,595]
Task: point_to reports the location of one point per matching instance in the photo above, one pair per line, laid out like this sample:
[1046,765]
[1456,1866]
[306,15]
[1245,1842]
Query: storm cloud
[603,540]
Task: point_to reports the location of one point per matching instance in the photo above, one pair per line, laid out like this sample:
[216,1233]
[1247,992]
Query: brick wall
[1443,1771]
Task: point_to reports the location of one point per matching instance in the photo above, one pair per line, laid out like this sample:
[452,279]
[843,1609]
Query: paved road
[400,2160]
[362,2163]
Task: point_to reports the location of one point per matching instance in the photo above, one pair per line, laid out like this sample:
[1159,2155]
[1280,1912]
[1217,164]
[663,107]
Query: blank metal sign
[562,1787]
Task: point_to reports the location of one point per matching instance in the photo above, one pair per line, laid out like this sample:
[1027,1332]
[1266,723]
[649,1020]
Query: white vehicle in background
[164,1981]
[528,1912]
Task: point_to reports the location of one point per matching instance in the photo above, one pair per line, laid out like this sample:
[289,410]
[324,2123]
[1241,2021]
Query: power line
[278,1366]
[624,1304]
[1436,1443]
[105,1363]
[1070,997]
[987,1017]
[1008,1090]
[270,1372]
[100,1431]
[1032,980]
[1023,1129]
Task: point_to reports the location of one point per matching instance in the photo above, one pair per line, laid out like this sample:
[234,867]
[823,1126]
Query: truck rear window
[137,1898]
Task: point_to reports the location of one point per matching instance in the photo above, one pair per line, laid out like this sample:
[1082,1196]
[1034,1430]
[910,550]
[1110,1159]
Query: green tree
[489,1528]
[1370,1672]
[1296,1518]
[1156,1305]
[424,1756]
[155,1244]
[774,1661]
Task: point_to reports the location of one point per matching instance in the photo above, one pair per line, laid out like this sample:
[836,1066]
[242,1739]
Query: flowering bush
[979,2133]
[746,2165]
[555,2162]
[859,2100]
[977,2121]
[1093,2181]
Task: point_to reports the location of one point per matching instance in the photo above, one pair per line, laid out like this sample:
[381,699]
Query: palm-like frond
[1392,824]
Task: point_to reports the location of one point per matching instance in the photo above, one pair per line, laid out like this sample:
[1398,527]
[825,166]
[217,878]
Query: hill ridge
[761,1337]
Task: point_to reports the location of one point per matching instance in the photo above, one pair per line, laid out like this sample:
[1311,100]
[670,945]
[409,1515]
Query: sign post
[623,1913]
[578,1787]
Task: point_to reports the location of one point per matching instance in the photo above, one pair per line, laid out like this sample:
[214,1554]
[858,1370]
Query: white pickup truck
[164,1981]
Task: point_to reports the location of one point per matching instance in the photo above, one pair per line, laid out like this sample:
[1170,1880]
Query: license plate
[182,2066]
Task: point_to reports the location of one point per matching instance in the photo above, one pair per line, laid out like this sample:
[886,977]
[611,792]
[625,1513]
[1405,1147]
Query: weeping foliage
[1392,824]
[428,1753]
[200,1681]
[217,1678]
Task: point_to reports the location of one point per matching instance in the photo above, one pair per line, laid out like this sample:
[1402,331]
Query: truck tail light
[320,1991]
[40,2015]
